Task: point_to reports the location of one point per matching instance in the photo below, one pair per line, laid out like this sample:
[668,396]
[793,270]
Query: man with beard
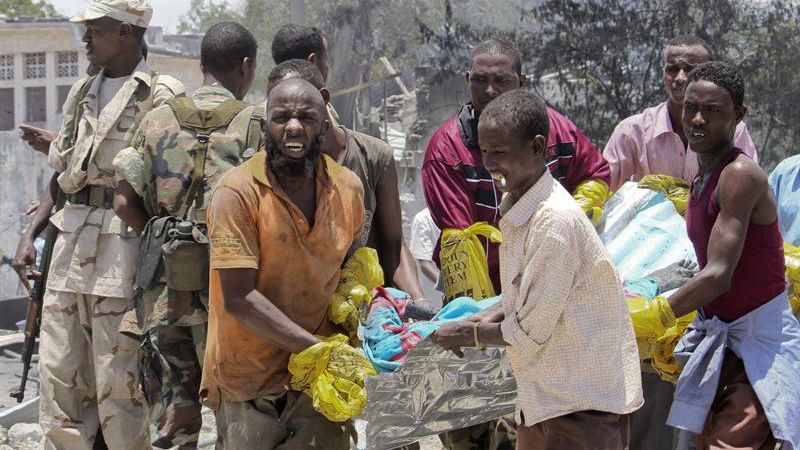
[371,159]
[88,370]
[653,141]
[280,227]
[169,319]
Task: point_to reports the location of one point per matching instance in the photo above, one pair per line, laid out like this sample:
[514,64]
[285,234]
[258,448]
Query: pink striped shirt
[645,144]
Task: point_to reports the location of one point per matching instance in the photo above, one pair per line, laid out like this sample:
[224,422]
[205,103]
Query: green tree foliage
[205,13]
[16,8]
[602,61]
[598,61]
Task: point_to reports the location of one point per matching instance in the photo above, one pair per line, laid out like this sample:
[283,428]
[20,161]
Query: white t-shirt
[108,89]
[424,235]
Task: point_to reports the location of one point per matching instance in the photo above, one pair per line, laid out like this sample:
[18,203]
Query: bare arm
[405,277]
[741,187]
[396,261]
[492,314]
[258,314]
[38,138]
[429,269]
[25,257]
[129,207]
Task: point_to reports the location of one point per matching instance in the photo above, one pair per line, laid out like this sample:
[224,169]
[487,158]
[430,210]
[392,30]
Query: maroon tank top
[759,275]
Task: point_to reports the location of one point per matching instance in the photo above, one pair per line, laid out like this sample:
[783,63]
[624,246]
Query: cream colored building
[41,59]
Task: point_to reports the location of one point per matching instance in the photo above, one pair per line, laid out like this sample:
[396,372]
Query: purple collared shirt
[645,144]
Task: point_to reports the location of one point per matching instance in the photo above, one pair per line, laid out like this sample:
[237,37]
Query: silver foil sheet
[436,391]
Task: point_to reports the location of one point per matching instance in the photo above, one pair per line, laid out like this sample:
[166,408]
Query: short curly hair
[295,41]
[497,45]
[225,45]
[518,111]
[297,68]
[690,40]
[723,75]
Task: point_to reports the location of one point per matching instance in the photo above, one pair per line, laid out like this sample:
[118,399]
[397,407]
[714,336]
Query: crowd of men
[200,239]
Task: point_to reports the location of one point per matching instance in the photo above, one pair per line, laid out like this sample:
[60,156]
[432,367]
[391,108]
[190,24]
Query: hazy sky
[165,12]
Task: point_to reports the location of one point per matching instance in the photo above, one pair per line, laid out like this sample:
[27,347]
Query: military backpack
[179,242]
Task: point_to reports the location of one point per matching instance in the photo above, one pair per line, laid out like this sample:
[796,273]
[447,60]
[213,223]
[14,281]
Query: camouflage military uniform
[159,167]
[88,370]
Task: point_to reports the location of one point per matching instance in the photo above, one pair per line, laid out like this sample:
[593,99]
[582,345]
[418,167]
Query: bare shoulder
[743,174]
[742,187]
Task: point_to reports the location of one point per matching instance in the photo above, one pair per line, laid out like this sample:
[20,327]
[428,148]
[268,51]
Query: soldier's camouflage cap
[134,12]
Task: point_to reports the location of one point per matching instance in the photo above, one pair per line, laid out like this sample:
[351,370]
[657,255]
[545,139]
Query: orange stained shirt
[252,224]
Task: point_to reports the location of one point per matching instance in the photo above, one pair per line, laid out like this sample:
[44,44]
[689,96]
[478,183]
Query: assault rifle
[33,321]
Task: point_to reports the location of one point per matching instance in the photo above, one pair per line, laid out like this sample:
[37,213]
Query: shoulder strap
[203,122]
[76,113]
[254,135]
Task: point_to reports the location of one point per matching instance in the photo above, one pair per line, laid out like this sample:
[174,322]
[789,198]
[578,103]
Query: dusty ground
[10,370]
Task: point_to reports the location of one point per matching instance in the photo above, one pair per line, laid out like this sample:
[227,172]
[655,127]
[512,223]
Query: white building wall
[23,175]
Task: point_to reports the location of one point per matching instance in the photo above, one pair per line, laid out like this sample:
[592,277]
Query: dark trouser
[736,420]
[180,350]
[492,435]
[582,430]
[649,429]
[287,423]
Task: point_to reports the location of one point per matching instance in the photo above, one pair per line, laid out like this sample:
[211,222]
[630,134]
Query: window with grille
[35,104]
[35,65]
[6,109]
[67,64]
[6,67]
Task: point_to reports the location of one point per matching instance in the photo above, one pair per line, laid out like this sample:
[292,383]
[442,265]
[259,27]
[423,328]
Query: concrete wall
[187,70]
[48,38]
[23,175]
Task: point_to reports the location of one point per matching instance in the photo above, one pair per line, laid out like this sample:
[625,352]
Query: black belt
[94,196]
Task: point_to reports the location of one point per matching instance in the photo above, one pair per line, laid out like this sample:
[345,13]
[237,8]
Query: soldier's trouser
[89,375]
[286,423]
[180,353]
[492,435]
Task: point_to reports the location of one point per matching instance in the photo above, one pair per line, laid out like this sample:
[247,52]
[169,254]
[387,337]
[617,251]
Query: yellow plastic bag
[663,361]
[364,268]
[465,272]
[592,196]
[657,333]
[651,319]
[332,373]
[676,189]
[792,255]
[360,275]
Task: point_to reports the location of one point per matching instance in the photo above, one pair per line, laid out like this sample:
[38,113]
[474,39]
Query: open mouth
[500,179]
[294,147]
[696,134]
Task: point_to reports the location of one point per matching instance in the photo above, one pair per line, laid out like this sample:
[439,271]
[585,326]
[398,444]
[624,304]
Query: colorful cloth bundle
[387,339]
